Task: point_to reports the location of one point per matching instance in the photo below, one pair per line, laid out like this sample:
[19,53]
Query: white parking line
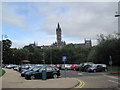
[113,81]
[80,74]
[113,77]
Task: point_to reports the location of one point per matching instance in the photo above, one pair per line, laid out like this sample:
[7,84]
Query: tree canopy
[107,46]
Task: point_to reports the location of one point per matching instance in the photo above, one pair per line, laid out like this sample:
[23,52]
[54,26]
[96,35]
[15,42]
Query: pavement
[12,79]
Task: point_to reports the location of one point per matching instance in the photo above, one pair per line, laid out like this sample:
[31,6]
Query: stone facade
[86,44]
[59,43]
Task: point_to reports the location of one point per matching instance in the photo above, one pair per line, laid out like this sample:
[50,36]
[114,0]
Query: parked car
[58,66]
[73,66]
[66,66]
[23,67]
[16,68]
[77,67]
[30,69]
[84,66]
[97,68]
[11,66]
[51,65]
[51,72]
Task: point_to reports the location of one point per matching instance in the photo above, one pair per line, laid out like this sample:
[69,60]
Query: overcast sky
[26,22]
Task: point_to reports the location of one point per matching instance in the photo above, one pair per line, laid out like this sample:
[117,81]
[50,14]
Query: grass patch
[2,72]
[114,68]
[114,74]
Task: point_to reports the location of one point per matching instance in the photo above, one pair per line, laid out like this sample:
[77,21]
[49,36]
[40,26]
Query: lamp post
[118,15]
[1,47]
[51,56]
[43,55]
[14,58]
[110,62]
[43,71]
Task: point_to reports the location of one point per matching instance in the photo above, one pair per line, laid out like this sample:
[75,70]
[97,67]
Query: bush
[2,72]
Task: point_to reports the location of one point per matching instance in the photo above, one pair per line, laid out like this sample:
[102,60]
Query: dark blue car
[97,68]
[36,73]
[27,70]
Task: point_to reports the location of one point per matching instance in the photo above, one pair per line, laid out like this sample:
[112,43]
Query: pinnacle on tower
[58,25]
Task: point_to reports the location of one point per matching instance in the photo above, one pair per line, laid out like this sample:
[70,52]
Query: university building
[59,43]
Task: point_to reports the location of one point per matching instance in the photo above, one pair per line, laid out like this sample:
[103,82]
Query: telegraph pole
[118,15]
[51,56]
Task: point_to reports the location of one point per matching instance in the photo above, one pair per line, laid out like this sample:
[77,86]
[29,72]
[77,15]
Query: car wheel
[22,75]
[32,77]
[94,70]
[55,75]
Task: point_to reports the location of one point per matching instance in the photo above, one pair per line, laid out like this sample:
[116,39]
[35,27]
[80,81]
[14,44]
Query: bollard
[44,75]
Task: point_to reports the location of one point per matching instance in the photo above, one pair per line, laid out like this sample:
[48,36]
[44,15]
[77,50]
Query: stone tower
[58,32]
[88,44]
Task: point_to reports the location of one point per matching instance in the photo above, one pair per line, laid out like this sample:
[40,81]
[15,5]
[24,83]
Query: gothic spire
[58,25]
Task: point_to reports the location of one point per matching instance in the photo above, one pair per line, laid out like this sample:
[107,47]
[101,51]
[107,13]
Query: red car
[58,66]
[73,66]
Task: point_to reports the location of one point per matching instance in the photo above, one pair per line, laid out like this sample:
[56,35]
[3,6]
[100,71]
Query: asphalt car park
[71,73]
[13,79]
[94,80]
[91,80]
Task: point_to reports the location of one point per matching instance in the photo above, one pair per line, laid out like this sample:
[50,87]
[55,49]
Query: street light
[43,54]
[14,58]
[51,55]
[1,47]
[117,14]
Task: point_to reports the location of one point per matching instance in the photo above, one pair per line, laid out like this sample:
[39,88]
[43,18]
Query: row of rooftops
[86,44]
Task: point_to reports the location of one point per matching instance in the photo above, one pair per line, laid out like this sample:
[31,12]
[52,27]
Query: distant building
[33,44]
[59,43]
[46,46]
[87,44]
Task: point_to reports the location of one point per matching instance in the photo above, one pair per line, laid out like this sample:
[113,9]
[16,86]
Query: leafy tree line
[51,55]
[107,46]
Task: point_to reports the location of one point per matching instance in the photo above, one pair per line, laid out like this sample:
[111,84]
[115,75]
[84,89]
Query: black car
[97,68]
[83,66]
[27,70]
[36,73]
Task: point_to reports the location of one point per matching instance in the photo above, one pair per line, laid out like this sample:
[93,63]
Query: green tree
[7,51]
[108,46]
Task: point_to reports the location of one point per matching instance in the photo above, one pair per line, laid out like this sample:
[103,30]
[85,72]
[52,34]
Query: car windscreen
[36,68]
[31,68]
[81,64]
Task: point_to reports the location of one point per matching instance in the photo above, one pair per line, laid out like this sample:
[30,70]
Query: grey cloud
[80,19]
[10,17]
[77,20]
